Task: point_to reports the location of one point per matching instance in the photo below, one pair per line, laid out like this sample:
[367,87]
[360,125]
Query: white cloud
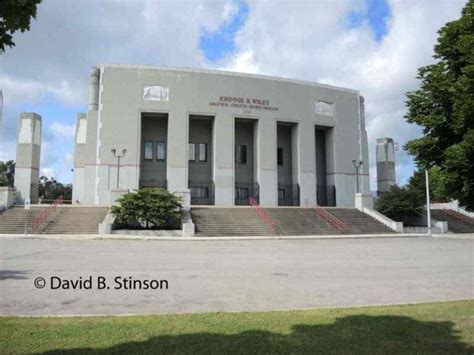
[309,40]
[298,39]
[47,171]
[19,91]
[50,64]
[61,130]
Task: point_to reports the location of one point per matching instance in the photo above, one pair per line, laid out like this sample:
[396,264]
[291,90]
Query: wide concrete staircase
[299,221]
[457,222]
[358,222]
[222,222]
[65,220]
[292,221]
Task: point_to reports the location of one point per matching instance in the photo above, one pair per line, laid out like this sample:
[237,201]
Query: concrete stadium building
[222,136]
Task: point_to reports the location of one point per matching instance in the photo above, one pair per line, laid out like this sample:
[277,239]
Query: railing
[288,195]
[330,219]
[326,195]
[202,193]
[457,215]
[263,215]
[154,183]
[243,192]
[42,201]
[45,214]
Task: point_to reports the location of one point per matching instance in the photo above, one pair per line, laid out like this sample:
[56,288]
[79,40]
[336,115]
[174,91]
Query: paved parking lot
[230,275]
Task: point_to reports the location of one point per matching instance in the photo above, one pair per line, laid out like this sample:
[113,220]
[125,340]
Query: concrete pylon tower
[28,151]
[385,164]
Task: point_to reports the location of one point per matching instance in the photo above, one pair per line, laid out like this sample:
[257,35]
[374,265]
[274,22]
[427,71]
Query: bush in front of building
[400,203]
[148,208]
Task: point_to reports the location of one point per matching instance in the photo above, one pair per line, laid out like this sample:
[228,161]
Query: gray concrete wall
[185,92]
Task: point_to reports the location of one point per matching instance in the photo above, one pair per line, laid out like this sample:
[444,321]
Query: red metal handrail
[43,216]
[457,215]
[330,218]
[263,215]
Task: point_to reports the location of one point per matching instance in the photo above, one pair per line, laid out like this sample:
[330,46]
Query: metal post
[118,156]
[357,166]
[357,179]
[428,208]
[118,171]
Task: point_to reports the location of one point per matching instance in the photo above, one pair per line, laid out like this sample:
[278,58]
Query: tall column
[223,162]
[385,164]
[307,162]
[177,160]
[80,156]
[267,174]
[28,150]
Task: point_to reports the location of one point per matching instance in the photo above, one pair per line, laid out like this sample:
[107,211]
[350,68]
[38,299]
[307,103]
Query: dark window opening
[241,154]
[280,156]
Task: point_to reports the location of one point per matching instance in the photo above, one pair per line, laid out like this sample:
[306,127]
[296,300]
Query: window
[202,151]
[192,151]
[148,150]
[241,154]
[160,151]
[280,156]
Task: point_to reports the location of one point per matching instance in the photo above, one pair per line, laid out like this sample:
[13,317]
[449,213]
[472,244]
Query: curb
[164,238]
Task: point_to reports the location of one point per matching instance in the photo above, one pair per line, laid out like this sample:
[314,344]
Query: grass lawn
[445,327]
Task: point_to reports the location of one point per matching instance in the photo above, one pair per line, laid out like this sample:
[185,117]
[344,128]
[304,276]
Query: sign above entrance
[245,103]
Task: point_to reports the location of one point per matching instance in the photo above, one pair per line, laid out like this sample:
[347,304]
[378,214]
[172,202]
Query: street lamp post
[357,165]
[428,207]
[118,156]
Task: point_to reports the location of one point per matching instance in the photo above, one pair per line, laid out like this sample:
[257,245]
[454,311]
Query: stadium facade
[222,136]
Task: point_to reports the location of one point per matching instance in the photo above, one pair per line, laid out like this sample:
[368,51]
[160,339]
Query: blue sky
[376,14]
[370,45]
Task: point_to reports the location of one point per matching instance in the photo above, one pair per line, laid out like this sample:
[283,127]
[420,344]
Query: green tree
[437,192]
[149,207]
[444,108]
[400,202]
[50,189]
[15,15]
[7,173]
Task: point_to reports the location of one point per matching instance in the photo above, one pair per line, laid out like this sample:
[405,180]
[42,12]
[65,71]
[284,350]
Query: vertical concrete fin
[385,155]
[94,89]
[28,151]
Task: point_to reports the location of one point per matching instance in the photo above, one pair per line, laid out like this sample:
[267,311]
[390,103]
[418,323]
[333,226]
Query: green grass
[446,327]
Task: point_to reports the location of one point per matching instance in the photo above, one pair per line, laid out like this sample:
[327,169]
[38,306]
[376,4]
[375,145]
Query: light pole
[357,166]
[118,156]
[428,207]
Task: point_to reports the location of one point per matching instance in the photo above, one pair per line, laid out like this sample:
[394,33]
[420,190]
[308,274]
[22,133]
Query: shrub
[400,202]
[150,208]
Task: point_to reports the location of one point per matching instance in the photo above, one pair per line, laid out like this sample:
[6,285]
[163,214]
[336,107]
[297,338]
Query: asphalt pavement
[91,277]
